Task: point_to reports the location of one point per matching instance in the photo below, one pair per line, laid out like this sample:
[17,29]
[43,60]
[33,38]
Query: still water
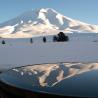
[66,79]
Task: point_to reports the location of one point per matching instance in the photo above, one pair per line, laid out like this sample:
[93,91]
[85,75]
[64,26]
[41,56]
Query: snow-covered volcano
[43,21]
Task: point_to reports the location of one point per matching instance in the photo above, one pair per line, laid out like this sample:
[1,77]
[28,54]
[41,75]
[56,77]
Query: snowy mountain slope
[44,21]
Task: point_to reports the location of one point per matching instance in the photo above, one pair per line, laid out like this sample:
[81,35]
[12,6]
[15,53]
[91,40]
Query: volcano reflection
[49,75]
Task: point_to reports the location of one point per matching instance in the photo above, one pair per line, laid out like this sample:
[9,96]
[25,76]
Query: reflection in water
[49,75]
[67,79]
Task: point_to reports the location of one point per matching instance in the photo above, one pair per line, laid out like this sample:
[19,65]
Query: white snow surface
[46,20]
[20,52]
[6,30]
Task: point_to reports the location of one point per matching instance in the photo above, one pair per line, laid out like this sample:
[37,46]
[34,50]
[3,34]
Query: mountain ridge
[44,20]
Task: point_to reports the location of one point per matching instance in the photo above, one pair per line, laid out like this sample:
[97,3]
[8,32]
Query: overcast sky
[83,10]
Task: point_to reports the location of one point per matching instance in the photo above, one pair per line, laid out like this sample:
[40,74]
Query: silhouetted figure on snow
[3,42]
[44,39]
[62,37]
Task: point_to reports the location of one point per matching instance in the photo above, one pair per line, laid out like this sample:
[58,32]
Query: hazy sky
[84,10]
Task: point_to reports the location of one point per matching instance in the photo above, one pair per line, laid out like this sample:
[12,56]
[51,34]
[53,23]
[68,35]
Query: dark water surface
[80,85]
